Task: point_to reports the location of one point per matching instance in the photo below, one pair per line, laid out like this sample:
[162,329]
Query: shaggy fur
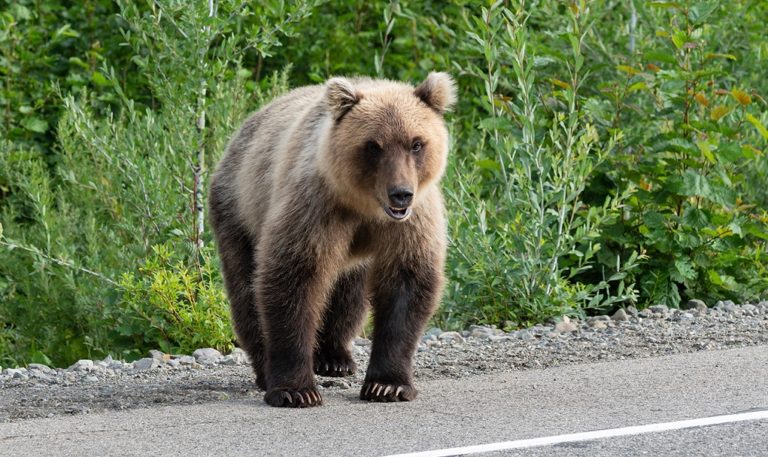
[325,204]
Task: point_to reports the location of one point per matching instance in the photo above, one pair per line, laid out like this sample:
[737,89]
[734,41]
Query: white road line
[586,436]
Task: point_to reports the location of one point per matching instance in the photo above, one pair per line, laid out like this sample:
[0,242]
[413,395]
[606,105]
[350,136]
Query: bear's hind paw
[293,398]
[336,365]
[383,392]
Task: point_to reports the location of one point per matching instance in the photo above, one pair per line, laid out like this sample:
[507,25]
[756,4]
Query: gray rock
[524,335]
[694,304]
[115,366]
[481,332]
[659,309]
[174,363]
[426,338]
[81,365]
[100,365]
[498,338]
[91,379]
[240,356]
[228,360]
[599,325]
[620,316]
[207,356]
[750,310]
[14,372]
[39,367]
[686,316]
[147,363]
[632,310]
[337,383]
[159,356]
[449,337]
[566,326]
[434,331]
[362,342]
[108,359]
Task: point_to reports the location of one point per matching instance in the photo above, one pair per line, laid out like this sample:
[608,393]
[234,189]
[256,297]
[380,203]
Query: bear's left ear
[438,91]
[341,96]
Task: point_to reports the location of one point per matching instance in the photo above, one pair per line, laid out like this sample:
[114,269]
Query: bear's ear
[438,91]
[341,96]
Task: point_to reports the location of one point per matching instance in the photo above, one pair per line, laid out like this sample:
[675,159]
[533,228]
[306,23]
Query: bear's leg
[290,288]
[237,261]
[341,323]
[403,298]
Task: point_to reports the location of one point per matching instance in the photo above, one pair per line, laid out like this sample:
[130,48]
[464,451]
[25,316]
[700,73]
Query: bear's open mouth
[397,214]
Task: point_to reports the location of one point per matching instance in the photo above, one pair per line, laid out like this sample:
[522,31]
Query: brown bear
[327,202]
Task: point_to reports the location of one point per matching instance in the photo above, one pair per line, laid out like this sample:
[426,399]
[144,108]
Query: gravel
[207,375]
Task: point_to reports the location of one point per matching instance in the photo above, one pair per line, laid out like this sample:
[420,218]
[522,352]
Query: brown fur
[297,207]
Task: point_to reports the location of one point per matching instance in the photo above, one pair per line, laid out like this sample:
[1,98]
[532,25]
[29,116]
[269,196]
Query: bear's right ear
[341,96]
[438,91]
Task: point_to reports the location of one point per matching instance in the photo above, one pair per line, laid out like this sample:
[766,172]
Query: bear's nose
[400,197]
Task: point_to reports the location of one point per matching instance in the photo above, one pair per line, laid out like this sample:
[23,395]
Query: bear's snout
[400,197]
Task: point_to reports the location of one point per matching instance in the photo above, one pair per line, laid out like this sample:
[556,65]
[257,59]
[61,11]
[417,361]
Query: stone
[620,316]
[659,309]
[159,356]
[227,360]
[480,332]
[524,335]
[566,326]
[147,363]
[632,310]
[694,304]
[686,316]
[426,338]
[449,337]
[240,356]
[81,365]
[337,383]
[748,309]
[174,363]
[91,379]
[207,356]
[498,338]
[39,367]
[599,325]
[186,360]
[434,331]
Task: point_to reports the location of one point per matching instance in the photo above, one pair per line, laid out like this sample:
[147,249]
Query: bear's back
[260,150]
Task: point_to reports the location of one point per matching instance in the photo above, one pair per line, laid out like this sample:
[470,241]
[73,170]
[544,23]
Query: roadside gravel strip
[205,376]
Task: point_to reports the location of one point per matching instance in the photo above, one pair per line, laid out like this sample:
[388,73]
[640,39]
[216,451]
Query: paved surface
[449,413]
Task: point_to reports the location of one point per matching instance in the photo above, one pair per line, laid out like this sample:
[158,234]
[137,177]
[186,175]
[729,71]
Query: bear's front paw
[334,363]
[383,392]
[293,398]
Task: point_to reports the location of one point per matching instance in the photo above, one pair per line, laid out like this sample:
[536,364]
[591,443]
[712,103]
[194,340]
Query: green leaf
[99,79]
[694,184]
[706,151]
[683,270]
[679,38]
[702,10]
[35,124]
[758,125]
[488,164]
[695,218]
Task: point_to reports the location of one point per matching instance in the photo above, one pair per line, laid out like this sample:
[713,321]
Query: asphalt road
[449,413]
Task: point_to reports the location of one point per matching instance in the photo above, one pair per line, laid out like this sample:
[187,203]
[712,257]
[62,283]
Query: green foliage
[605,153]
[174,306]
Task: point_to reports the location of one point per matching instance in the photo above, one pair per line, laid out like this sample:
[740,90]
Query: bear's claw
[334,365]
[293,398]
[382,392]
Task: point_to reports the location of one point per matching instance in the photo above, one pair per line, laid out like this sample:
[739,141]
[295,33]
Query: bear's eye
[373,148]
[416,147]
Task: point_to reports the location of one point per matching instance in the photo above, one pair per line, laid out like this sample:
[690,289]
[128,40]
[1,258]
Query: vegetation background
[605,153]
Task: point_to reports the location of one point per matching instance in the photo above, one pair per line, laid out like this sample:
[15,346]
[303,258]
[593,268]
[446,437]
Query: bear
[325,204]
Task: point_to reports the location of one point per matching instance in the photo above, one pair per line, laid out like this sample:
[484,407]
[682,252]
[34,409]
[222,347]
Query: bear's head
[387,143]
